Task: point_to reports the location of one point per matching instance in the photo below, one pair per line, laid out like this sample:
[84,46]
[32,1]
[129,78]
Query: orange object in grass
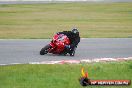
[84,74]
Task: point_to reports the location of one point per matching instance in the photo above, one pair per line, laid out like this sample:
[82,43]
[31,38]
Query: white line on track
[76,61]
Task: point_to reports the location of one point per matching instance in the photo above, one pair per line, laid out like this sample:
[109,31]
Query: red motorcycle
[57,45]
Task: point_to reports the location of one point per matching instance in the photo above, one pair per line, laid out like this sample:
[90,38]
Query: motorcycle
[57,45]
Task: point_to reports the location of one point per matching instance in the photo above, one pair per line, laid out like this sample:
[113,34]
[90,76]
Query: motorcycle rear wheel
[44,50]
[72,52]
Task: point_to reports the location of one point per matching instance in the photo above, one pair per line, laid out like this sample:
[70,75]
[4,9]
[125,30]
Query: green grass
[106,20]
[62,76]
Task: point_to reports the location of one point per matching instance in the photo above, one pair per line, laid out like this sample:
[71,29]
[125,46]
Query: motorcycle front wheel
[45,49]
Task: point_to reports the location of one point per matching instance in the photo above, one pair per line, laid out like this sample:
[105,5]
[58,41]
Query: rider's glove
[67,46]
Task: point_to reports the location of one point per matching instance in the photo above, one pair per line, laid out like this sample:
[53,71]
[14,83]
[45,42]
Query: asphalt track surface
[27,50]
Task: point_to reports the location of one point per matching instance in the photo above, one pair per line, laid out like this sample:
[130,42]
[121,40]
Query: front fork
[52,47]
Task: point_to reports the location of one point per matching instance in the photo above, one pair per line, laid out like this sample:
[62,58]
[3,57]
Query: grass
[62,76]
[106,20]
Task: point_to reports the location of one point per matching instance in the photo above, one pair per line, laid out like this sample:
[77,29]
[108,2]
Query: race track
[27,50]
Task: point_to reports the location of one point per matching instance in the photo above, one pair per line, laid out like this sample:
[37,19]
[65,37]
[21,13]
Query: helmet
[75,31]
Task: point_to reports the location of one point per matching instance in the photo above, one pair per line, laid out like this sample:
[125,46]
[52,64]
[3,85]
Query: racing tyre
[45,49]
[72,53]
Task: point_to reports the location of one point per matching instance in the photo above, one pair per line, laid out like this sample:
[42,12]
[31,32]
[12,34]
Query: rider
[74,38]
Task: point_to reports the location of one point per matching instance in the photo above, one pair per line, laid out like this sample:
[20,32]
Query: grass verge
[62,76]
[107,20]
